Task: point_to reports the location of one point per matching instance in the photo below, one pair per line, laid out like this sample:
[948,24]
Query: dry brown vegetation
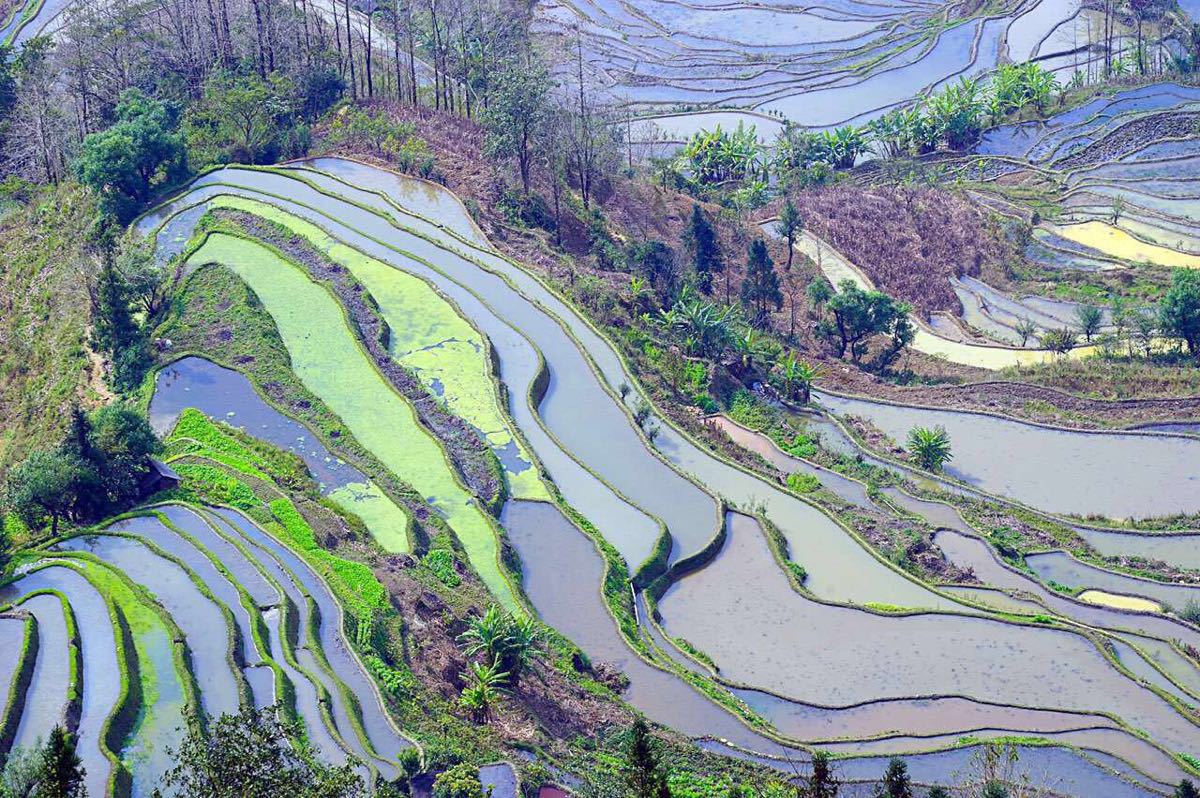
[909,241]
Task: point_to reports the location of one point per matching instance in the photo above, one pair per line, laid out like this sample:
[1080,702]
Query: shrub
[441,562]
[803,483]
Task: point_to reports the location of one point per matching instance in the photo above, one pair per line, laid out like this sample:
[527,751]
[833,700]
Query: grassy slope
[43,298]
[329,361]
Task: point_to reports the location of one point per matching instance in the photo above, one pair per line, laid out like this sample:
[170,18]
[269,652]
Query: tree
[251,755]
[243,119]
[994,789]
[145,281]
[703,327]
[760,287]
[47,485]
[1026,329]
[62,770]
[930,447]
[21,771]
[142,150]
[1179,310]
[822,783]
[1090,320]
[642,771]
[1186,790]
[750,348]
[484,690]
[859,314]
[790,226]
[116,333]
[656,261]
[460,781]
[819,292]
[518,108]
[796,377]
[896,783]
[937,791]
[122,442]
[1060,340]
[700,240]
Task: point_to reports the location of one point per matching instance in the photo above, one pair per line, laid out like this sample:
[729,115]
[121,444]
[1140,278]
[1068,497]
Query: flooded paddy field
[870,695]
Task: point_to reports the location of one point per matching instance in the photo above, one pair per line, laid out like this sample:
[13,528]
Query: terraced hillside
[820,65]
[338,257]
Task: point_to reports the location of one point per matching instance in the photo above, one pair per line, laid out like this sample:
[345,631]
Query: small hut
[159,478]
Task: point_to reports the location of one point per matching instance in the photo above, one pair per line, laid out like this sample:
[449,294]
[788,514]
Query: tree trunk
[350,54]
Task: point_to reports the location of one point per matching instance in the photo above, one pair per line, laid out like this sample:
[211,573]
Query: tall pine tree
[701,241]
[62,769]
[760,288]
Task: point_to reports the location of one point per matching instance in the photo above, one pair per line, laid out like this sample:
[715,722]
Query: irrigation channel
[900,667]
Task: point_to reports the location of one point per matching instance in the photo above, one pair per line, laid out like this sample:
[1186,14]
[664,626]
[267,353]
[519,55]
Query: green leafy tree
[518,108]
[994,789]
[1090,320]
[460,781]
[20,774]
[896,782]
[750,349]
[703,327]
[47,487]
[1179,310]
[484,690]
[700,240]
[822,782]
[859,314]
[62,770]
[142,150]
[1186,790]
[937,791]
[243,118]
[1060,341]
[656,261]
[930,447]
[251,755]
[790,226]
[121,442]
[819,291]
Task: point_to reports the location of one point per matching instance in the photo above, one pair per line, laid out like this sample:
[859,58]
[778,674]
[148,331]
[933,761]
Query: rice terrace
[600,398]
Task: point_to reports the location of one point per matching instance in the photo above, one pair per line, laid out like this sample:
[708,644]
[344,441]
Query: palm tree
[702,324]
[797,377]
[523,637]
[930,447]
[484,691]
[1026,329]
[641,295]
[750,347]
[488,634]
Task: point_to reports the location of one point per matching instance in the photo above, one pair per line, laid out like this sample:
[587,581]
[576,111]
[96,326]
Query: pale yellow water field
[837,268]
[1120,602]
[1118,243]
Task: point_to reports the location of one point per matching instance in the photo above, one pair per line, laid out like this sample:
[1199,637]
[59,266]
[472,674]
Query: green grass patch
[329,361]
